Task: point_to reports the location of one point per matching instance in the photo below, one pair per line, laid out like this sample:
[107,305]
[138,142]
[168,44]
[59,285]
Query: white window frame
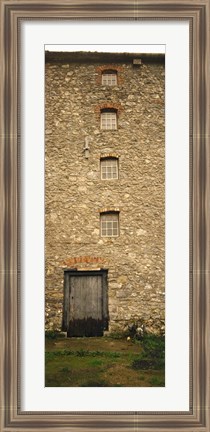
[109,224]
[109,78]
[108,120]
[109,168]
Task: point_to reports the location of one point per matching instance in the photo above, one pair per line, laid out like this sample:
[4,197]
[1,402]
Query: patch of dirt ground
[93,344]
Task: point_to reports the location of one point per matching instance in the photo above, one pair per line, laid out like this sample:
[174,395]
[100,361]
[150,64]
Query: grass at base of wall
[104,362]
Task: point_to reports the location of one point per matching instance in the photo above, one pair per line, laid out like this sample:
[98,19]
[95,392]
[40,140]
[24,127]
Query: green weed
[52,335]
[157,382]
[65,369]
[96,362]
[152,355]
[81,353]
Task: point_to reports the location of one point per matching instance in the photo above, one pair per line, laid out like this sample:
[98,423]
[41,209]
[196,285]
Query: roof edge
[101,57]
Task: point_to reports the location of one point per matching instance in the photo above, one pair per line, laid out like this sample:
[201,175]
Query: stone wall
[75,193]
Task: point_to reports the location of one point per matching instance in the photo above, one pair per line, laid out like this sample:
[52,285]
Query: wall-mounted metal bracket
[86,147]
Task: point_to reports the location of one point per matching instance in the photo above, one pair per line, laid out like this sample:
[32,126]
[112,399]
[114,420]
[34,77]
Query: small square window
[110,224]
[109,169]
[109,78]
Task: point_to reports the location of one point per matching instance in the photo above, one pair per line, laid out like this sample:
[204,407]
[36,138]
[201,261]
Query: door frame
[68,273]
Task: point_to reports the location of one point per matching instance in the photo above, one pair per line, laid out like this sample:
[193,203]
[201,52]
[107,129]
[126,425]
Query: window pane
[108,120]
[109,224]
[109,168]
[109,78]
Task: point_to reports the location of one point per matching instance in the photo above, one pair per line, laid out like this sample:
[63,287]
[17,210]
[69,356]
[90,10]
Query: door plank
[85,306]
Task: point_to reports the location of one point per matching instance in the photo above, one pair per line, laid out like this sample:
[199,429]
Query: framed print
[104,120]
[93,276]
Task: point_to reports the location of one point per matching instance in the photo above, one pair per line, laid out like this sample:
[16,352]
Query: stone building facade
[105,184]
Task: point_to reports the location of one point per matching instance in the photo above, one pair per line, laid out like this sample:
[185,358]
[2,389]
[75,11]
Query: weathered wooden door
[85,303]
